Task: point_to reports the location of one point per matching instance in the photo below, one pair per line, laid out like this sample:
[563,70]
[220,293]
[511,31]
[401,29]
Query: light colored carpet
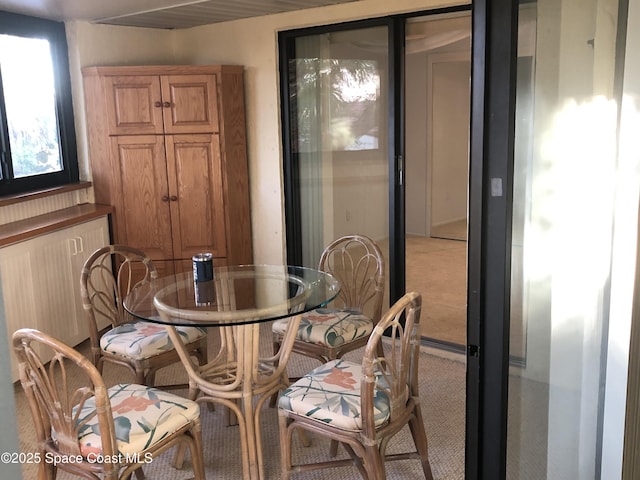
[442,392]
[437,268]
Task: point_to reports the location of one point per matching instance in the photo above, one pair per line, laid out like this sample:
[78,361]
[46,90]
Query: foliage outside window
[350,105]
[37,141]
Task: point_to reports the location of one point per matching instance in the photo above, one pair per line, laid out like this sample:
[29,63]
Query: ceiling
[167,14]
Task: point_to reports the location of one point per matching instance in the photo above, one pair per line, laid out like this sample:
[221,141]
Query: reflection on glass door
[564,160]
[338,114]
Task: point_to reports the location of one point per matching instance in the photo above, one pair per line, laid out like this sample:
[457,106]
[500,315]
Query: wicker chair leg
[373,463]
[419,435]
[333,448]
[285,447]
[196,455]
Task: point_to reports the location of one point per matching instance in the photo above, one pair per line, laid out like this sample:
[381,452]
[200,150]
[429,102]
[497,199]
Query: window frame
[33,27]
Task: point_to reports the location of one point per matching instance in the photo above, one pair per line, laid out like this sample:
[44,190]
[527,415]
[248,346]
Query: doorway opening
[437,118]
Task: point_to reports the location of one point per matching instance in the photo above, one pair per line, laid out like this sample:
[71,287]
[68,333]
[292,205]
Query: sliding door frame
[493,80]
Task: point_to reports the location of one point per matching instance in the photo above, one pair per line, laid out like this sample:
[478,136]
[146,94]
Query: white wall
[448,136]
[416,144]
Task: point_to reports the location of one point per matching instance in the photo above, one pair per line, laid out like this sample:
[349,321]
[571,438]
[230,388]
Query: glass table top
[237,295]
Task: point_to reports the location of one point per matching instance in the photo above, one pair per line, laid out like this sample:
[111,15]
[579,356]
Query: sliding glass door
[565,151]
[338,138]
[344,132]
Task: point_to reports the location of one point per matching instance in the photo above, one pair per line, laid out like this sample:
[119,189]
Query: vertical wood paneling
[40,281]
[18,292]
[20,211]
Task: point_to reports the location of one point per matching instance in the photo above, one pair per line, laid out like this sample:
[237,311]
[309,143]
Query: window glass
[29,93]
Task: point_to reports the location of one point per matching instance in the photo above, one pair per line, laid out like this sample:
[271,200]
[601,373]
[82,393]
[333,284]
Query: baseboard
[456,348]
[443,345]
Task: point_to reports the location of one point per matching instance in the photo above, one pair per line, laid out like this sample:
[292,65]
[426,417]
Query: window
[37,134]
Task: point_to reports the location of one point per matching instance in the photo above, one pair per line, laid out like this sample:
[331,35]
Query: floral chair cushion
[141,339]
[331,394]
[330,327]
[142,416]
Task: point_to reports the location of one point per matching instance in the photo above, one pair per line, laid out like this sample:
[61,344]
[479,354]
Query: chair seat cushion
[331,394]
[142,415]
[140,340]
[330,327]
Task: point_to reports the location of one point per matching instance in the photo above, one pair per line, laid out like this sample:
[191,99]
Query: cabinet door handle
[157,104]
[165,198]
[77,245]
[166,104]
[174,198]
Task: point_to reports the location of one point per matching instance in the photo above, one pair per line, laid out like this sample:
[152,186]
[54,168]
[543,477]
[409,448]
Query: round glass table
[238,300]
[237,295]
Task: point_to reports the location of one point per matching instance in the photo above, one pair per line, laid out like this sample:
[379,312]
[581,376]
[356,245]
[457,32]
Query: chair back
[396,373]
[107,276]
[357,262]
[56,393]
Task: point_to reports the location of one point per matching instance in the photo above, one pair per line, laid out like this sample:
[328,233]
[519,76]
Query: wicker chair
[92,431]
[108,275]
[327,334]
[362,406]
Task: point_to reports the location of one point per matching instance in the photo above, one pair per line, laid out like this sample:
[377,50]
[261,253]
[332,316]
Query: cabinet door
[58,286]
[82,241]
[195,181]
[192,103]
[134,105]
[142,213]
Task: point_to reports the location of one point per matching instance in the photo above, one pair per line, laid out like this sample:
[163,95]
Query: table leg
[252,386]
[250,358]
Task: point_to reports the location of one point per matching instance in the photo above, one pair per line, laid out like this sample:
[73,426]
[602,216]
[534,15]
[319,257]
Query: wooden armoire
[167,148]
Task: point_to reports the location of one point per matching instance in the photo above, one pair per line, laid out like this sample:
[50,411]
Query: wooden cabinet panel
[192,102]
[195,179]
[166,104]
[142,212]
[134,105]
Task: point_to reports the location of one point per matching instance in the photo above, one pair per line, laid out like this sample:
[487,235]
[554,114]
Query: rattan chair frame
[357,262]
[107,276]
[56,401]
[367,446]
